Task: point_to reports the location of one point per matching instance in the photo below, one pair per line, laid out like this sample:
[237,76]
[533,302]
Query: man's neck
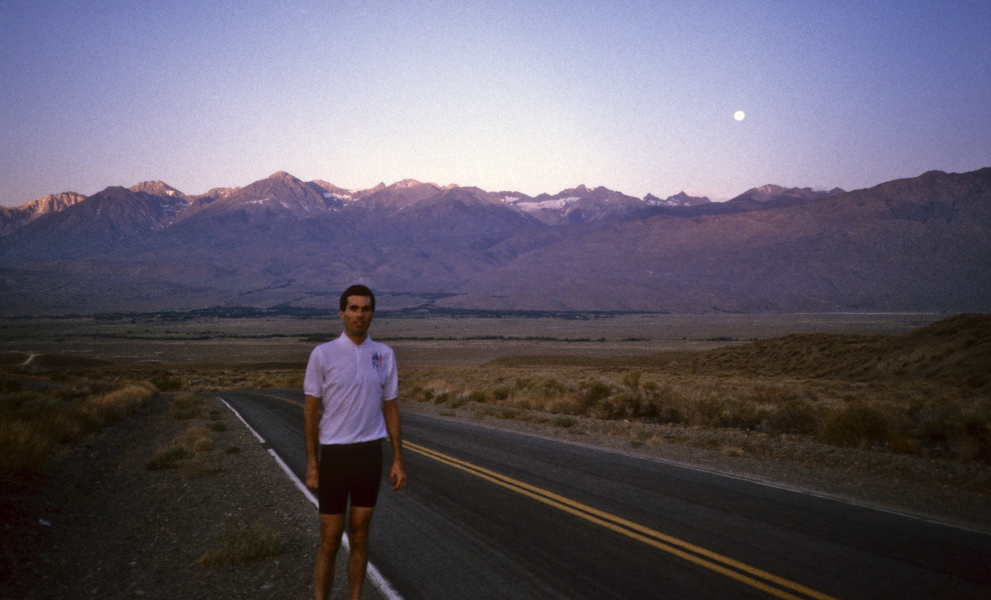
[357,339]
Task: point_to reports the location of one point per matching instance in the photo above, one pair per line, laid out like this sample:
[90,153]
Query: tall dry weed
[239,544]
[35,422]
[857,425]
[927,418]
[23,448]
[112,407]
[187,452]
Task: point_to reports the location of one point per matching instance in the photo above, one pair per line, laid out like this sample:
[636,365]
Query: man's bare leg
[358,528]
[331,528]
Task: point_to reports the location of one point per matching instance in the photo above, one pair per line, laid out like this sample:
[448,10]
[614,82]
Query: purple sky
[527,96]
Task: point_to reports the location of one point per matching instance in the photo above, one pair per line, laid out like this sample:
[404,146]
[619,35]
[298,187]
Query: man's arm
[393,425]
[311,432]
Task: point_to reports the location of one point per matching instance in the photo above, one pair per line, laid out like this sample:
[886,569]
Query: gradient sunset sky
[530,96]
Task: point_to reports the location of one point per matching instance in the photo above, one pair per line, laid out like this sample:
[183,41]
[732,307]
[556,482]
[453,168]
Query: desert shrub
[632,379]
[856,425]
[937,421]
[29,405]
[523,383]
[668,414]
[774,394]
[196,439]
[9,386]
[550,387]
[949,422]
[420,394]
[201,466]
[35,422]
[564,421]
[186,452]
[499,412]
[630,403]
[167,382]
[23,448]
[241,544]
[734,413]
[710,409]
[477,396]
[663,401]
[502,391]
[186,407]
[64,428]
[170,457]
[617,406]
[114,406]
[596,390]
[795,416]
[460,400]
[536,393]
[592,393]
[565,406]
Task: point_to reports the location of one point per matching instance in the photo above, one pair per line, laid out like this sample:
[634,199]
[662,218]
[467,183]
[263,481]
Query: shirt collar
[349,342]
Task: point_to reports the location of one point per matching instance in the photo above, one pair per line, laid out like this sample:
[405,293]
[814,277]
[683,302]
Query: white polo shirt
[352,381]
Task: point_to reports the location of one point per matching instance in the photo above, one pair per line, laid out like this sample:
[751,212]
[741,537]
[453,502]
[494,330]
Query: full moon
[738,115]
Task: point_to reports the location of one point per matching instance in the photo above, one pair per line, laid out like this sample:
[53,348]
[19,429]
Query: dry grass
[190,451]
[35,422]
[807,386]
[926,393]
[239,544]
[198,380]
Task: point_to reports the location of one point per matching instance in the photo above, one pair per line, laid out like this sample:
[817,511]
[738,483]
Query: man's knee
[330,543]
[331,528]
[360,525]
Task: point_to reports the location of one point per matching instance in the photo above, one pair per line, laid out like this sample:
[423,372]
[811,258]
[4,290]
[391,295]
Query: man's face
[357,316]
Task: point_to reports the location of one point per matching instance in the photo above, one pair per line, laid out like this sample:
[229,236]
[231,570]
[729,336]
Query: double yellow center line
[778,587]
[754,577]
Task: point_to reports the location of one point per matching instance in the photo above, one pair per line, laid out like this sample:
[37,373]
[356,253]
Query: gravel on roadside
[100,524]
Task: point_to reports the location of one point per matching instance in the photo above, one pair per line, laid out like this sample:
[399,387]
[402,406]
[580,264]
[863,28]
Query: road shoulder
[101,524]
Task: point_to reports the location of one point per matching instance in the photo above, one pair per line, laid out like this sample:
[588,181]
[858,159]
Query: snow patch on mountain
[555,204]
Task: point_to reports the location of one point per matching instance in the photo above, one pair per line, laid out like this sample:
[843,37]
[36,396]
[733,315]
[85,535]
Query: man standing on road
[354,380]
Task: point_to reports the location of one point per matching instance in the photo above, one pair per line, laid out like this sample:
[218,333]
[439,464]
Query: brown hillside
[956,350]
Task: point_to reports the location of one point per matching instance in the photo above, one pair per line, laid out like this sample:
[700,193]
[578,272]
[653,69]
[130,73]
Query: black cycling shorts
[349,470]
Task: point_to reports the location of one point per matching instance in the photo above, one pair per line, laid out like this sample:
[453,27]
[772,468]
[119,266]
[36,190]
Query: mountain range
[918,244]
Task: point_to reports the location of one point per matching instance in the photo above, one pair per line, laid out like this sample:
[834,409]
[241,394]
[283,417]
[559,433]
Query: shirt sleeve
[313,380]
[390,389]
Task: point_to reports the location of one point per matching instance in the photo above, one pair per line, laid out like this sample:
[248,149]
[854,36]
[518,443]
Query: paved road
[495,514]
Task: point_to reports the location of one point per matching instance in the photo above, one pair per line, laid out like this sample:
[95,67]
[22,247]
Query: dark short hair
[356,290]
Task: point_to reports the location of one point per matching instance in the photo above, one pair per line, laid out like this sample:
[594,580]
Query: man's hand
[397,476]
[312,477]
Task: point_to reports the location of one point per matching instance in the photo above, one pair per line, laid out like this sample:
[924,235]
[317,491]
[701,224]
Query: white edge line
[376,577]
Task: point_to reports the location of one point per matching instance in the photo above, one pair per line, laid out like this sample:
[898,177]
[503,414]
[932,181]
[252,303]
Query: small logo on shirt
[377,361]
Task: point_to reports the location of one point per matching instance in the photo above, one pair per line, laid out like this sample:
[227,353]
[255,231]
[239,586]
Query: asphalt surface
[496,514]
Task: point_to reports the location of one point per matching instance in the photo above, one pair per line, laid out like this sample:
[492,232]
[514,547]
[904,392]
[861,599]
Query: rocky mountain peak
[679,199]
[157,188]
[777,194]
[406,184]
[918,244]
[283,176]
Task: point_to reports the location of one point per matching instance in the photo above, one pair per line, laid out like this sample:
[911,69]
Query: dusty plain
[421,341]
[470,368]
